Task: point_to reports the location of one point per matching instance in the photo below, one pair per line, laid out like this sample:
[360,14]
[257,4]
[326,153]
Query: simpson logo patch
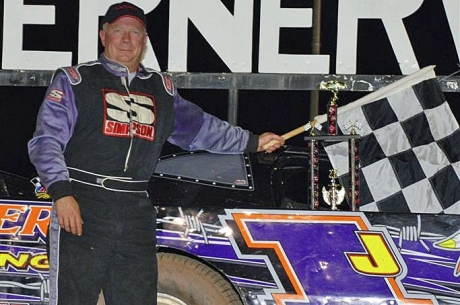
[55,95]
[129,115]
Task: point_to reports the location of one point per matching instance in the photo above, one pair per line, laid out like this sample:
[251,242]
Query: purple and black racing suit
[98,138]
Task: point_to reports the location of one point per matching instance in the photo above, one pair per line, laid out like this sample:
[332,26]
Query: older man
[99,134]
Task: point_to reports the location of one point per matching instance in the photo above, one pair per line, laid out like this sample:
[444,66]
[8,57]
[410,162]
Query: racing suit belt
[111,183]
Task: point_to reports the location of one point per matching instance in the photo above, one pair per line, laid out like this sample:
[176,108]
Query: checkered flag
[409,150]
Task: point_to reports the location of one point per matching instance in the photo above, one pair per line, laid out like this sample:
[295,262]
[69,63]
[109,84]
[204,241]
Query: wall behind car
[274,36]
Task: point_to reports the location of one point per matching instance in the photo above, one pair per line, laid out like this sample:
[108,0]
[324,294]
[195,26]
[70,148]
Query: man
[99,134]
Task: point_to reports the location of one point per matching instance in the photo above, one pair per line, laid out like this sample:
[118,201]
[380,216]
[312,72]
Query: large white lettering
[90,11]
[229,35]
[273,17]
[391,12]
[452,8]
[15,15]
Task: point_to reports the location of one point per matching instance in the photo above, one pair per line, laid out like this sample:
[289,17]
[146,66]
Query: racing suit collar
[119,69]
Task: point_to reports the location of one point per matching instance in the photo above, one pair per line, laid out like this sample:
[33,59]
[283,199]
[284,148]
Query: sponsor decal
[343,253]
[451,243]
[21,222]
[15,259]
[40,190]
[127,116]
[24,264]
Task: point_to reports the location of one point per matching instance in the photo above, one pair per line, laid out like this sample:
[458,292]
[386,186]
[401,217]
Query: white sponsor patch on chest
[129,115]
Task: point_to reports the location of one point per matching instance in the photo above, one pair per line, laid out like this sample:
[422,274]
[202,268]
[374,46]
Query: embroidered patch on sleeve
[55,95]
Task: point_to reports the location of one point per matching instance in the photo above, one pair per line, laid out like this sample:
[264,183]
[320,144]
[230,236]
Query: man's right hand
[68,212]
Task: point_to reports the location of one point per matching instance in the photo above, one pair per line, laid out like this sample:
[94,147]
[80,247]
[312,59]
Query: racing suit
[98,138]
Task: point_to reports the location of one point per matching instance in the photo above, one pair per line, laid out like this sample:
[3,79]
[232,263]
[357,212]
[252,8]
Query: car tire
[185,281]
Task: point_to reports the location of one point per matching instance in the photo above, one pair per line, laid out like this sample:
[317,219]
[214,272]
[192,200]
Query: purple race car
[239,229]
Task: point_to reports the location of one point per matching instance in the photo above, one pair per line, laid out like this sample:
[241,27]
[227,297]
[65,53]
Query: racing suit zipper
[123,81]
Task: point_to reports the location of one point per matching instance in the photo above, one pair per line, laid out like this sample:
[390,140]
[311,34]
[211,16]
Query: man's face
[124,41]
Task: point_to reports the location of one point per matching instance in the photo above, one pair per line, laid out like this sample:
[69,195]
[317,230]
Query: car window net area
[15,187]
[224,170]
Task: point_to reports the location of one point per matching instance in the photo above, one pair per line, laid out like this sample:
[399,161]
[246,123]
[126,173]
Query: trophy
[353,126]
[334,87]
[334,194]
[353,163]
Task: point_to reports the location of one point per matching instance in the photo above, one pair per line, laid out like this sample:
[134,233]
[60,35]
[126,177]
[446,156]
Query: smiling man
[124,39]
[99,134]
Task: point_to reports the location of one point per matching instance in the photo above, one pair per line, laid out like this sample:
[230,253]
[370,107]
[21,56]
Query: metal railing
[234,82]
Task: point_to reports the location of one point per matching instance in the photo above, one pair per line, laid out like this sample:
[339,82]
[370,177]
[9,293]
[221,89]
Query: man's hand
[68,212]
[274,140]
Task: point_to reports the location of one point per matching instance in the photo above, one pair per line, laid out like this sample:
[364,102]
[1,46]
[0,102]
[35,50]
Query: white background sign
[245,35]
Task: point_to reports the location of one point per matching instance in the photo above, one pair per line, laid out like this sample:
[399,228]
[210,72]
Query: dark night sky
[258,110]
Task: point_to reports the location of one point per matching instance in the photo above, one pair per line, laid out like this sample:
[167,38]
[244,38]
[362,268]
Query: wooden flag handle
[288,135]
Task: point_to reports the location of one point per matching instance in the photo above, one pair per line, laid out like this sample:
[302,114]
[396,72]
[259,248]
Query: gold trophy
[334,194]
[334,87]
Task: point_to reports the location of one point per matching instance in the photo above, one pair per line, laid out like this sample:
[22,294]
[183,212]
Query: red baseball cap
[124,9]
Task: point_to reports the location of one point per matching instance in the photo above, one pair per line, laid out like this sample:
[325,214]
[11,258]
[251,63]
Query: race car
[242,230]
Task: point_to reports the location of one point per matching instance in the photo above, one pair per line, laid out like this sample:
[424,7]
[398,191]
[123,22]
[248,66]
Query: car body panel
[257,231]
